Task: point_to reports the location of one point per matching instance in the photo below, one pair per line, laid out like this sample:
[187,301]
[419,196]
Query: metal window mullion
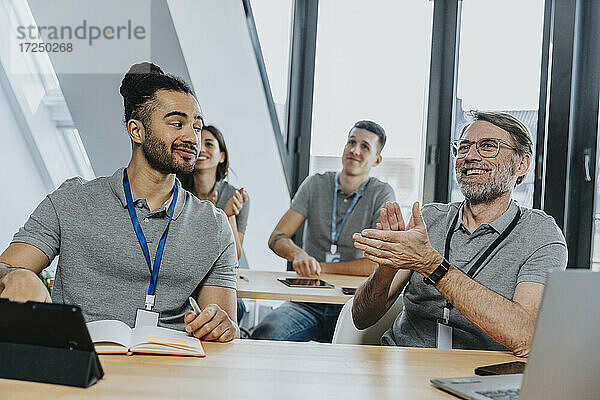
[553,197]
[442,94]
[545,71]
[302,78]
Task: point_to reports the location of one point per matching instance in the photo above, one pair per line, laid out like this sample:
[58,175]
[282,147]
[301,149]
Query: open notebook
[116,337]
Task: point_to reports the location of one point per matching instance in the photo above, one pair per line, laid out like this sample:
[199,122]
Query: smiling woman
[207,182]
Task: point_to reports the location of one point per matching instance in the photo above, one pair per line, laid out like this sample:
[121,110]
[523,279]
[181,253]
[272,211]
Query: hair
[223,167]
[139,87]
[517,130]
[187,180]
[372,127]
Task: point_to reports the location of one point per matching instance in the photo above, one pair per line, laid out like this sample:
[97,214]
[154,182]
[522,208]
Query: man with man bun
[135,245]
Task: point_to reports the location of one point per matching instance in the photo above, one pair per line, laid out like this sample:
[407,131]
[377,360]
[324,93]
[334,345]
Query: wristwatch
[439,272]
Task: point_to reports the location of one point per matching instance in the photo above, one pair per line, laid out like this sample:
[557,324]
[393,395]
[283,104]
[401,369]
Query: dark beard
[161,158]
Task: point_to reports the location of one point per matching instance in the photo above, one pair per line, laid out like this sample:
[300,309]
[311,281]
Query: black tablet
[44,324]
[305,282]
[46,342]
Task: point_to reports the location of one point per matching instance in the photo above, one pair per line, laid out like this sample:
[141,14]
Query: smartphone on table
[514,367]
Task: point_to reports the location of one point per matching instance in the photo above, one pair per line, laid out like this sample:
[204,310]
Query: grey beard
[501,181]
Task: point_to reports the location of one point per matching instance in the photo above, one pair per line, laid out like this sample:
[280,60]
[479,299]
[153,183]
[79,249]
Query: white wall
[21,183]
[216,45]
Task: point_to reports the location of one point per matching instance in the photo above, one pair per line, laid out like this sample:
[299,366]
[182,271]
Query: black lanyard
[475,268]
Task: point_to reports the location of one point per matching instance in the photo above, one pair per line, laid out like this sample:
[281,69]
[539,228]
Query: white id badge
[146,318]
[444,336]
[329,257]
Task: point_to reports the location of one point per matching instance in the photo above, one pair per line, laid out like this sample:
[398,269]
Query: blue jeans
[299,322]
[241,310]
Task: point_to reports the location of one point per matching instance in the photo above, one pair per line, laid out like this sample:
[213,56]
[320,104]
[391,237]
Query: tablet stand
[49,364]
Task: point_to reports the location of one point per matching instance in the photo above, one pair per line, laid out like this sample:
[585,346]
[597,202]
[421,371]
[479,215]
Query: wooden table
[246,369]
[253,284]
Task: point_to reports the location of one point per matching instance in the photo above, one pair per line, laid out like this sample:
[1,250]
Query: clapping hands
[395,246]
[236,202]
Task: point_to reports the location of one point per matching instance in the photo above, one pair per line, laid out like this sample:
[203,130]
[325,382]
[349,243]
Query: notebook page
[110,331]
[149,338]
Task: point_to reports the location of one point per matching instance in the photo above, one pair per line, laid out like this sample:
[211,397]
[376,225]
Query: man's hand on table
[213,324]
[24,285]
[305,265]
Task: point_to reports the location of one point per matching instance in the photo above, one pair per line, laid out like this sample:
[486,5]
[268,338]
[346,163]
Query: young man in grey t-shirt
[135,244]
[473,273]
[354,200]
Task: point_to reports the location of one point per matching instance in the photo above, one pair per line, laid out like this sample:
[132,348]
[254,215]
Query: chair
[346,333]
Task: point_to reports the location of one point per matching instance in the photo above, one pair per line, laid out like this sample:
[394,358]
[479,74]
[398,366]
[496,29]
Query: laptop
[564,360]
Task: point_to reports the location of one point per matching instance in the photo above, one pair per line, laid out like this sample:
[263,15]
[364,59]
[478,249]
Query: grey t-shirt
[224,192]
[101,266]
[314,200]
[535,247]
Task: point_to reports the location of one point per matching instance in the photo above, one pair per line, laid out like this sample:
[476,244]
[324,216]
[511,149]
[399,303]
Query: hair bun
[136,74]
[145,68]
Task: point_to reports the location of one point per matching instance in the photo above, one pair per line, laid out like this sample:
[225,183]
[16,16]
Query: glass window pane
[273,19]
[371,63]
[499,69]
[595,262]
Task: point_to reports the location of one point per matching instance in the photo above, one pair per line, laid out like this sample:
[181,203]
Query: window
[371,63]
[41,146]
[273,19]
[499,66]
[47,119]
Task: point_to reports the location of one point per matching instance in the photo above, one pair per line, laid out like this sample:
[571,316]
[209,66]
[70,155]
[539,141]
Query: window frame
[567,137]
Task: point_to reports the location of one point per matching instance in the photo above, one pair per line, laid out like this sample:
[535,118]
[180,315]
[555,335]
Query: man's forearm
[503,320]
[283,246]
[359,267]
[371,299]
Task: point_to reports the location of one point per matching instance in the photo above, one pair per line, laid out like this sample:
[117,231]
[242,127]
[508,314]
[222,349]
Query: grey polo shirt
[535,247]
[101,266]
[224,192]
[314,200]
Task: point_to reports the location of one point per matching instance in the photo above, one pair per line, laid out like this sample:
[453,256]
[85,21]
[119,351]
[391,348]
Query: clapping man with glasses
[472,272]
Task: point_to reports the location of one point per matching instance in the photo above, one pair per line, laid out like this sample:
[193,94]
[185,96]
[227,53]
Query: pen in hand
[194,305]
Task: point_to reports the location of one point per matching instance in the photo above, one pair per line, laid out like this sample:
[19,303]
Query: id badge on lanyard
[147,317]
[444,331]
[334,255]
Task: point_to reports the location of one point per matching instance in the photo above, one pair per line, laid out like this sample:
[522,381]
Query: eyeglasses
[487,148]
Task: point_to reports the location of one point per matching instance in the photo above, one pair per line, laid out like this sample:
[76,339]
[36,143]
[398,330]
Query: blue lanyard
[335,230]
[142,239]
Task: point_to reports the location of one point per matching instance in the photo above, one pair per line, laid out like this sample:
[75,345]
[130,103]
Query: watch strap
[439,272]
